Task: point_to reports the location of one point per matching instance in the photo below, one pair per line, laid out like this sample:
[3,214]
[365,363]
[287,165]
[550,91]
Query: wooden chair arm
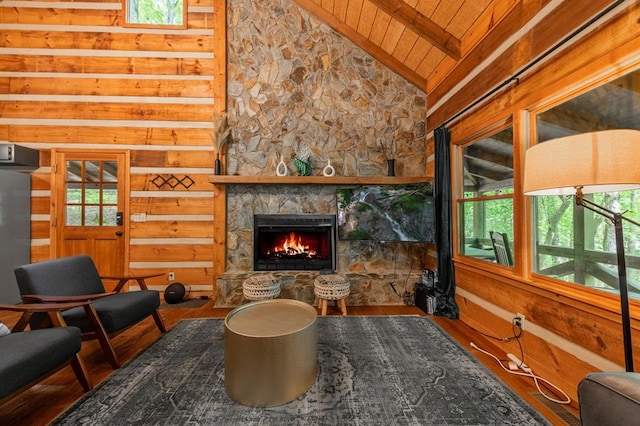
[38,298]
[51,309]
[42,307]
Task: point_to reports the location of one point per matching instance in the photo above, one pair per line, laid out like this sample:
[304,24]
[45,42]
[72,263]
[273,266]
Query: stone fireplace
[294,242]
[296,84]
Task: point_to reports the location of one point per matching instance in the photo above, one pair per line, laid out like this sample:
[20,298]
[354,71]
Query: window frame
[579,88]
[458,190]
[127,24]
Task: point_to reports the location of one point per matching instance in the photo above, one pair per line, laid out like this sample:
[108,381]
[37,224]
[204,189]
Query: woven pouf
[261,287]
[331,287]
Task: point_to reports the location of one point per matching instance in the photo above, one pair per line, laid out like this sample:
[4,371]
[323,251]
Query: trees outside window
[572,243]
[485,193]
[155,13]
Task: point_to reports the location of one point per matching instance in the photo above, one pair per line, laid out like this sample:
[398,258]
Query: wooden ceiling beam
[422,25]
[364,43]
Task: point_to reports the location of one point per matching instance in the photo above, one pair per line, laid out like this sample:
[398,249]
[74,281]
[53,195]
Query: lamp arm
[597,208]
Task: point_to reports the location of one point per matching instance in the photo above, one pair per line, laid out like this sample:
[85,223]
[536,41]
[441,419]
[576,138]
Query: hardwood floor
[45,401]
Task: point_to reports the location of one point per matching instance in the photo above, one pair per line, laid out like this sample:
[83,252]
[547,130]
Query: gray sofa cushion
[609,399]
[27,356]
[116,312]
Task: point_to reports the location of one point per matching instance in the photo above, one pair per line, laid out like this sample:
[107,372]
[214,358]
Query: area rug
[372,370]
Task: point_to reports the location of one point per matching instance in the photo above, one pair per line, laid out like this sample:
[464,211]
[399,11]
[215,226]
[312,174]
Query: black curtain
[445,288]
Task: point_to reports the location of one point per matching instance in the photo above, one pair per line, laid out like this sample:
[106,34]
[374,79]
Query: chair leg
[158,319]
[102,336]
[80,370]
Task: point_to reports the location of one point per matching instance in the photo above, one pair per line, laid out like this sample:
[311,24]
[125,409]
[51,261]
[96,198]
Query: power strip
[521,365]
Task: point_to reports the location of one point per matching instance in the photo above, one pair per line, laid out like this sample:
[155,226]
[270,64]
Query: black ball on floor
[174,293]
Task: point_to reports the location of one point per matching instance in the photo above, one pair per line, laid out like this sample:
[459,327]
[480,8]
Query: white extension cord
[527,372]
[520,364]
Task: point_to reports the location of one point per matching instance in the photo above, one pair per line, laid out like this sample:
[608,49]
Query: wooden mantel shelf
[317,180]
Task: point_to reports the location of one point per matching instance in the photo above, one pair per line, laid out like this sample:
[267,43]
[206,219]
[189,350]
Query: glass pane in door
[91,193]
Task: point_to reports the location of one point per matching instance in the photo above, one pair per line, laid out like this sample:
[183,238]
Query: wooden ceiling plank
[364,43]
[439,72]
[487,21]
[367,17]
[478,31]
[328,4]
[422,25]
[418,53]
[431,62]
[353,13]
[340,10]
[445,13]
[406,43]
[380,24]
[392,37]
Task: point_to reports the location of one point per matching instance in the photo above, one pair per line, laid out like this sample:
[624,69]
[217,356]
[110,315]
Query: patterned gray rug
[401,370]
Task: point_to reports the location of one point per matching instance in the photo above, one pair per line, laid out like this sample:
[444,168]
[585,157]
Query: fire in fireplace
[294,242]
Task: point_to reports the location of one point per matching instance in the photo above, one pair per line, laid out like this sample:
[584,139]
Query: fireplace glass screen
[294,242]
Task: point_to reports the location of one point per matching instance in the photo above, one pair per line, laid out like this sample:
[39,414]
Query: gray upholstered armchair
[609,398]
[26,357]
[76,278]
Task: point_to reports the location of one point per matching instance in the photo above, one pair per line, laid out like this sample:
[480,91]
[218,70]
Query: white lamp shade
[603,161]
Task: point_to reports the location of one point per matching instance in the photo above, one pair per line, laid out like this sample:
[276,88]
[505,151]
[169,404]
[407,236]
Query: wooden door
[90,208]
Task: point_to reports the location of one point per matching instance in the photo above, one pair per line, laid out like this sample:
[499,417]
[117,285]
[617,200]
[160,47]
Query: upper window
[572,243]
[155,13]
[485,202]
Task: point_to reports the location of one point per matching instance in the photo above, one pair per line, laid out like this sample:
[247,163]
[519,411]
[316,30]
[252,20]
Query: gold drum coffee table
[270,352]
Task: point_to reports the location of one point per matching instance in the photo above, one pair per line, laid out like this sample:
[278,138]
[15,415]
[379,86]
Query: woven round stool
[261,287]
[331,287]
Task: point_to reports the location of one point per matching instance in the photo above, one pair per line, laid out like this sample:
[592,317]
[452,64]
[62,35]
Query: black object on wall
[18,158]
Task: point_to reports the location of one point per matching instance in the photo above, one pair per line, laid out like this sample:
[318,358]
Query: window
[155,13]
[485,202]
[570,242]
[91,193]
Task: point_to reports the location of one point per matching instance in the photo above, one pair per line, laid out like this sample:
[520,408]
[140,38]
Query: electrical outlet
[172,276]
[139,217]
[518,321]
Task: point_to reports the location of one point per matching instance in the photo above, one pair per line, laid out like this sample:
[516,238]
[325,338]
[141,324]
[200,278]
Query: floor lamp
[586,163]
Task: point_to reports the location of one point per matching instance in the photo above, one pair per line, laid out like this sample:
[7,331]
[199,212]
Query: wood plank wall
[570,330]
[72,77]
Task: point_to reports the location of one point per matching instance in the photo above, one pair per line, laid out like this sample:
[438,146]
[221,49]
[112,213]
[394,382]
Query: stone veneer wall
[293,81]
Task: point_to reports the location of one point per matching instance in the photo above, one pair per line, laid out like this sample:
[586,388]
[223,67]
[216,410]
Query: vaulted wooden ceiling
[421,40]
[439,44]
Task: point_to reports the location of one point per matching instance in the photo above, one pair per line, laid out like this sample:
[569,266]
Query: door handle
[119,233]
